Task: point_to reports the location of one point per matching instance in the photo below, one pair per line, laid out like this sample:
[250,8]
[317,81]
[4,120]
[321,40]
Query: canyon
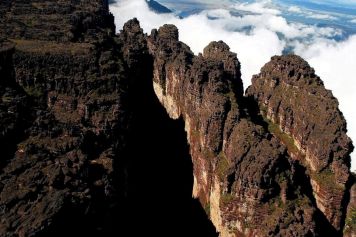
[101,132]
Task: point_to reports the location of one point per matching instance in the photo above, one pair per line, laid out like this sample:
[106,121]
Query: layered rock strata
[350,221]
[294,99]
[79,107]
[60,177]
[244,175]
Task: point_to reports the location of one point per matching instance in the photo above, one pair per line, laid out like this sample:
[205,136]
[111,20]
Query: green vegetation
[286,139]
[226,198]
[350,223]
[43,47]
[207,209]
[222,166]
[34,91]
[31,23]
[232,97]
[326,178]
[6,99]
[195,134]
[279,213]
[208,154]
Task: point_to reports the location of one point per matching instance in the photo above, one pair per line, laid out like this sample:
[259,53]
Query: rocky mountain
[130,134]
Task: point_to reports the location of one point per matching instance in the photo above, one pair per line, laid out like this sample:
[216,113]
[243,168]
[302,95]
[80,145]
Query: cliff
[58,176]
[312,126]
[102,131]
[247,170]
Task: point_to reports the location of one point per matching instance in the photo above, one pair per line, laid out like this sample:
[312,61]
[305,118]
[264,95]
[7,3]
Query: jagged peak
[293,69]
[168,31]
[216,48]
[132,26]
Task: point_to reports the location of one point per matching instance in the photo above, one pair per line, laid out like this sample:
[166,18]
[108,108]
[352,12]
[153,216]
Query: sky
[322,32]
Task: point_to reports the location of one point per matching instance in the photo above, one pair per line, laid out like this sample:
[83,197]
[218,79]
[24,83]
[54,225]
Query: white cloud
[261,7]
[255,37]
[353,21]
[310,14]
[321,16]
[295,9]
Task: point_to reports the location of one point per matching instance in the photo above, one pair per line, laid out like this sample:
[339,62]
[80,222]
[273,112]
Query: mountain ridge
[259,164]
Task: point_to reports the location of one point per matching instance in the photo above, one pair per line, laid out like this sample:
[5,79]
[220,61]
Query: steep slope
[55,20]
[61,176]
[350,221]
[296,102]
[242,174]
[100,131]
[13,105]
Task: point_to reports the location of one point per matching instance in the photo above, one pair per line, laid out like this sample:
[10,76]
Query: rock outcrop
[13,106]
[350,221]
[60,175]
[92,122]
[295,100]
[242,172]
[56,20]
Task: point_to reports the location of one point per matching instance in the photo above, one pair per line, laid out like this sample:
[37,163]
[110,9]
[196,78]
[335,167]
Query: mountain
[157,7]
[106,134]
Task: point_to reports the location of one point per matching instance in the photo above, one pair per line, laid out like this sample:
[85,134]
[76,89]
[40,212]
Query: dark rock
[60,172]
[291,96]
[241,172]
[92,124]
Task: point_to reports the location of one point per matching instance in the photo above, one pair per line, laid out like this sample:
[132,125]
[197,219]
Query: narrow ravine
[160,171]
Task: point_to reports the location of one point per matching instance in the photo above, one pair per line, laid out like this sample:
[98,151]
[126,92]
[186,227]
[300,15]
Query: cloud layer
[256,35]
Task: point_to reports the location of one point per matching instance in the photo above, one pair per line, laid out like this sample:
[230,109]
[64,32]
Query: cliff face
[243,171]
[56,20]
[59,176]
[13,111]
[350,222]
[295,101]
[92,122]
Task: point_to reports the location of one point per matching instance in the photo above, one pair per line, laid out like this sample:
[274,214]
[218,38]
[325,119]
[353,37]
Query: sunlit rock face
[291,96]
[93,126]
[244,170]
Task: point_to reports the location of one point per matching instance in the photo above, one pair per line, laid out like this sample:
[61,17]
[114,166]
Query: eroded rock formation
[293,98]
[91,122]
[59,176]
[242,170]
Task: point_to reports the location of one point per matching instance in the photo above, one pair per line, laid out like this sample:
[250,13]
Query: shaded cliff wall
[62,175]
[56,20]
[158,163]
[13,110]
[350,221]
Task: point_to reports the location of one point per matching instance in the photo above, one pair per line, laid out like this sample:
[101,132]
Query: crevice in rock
[159,168]
[15,114]
[302,178]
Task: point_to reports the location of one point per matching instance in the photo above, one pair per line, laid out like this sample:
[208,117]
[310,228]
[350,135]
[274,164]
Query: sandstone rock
[60,172]
[92,122]
[241,172]
[350,221]
[293,98]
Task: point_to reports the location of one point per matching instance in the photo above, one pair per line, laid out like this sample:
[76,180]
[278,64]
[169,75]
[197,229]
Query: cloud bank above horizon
[258,34]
